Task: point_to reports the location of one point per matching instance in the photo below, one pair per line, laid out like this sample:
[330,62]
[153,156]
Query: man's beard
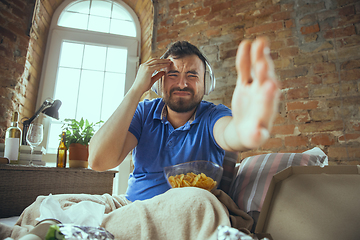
[181,105]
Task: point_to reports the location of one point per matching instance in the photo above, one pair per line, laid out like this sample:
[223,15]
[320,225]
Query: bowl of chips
[199,173]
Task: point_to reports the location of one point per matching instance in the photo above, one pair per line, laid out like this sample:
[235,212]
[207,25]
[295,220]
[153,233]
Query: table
[21,184]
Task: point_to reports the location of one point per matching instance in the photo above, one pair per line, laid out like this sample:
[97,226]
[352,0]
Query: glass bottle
[62,152]
[12,140]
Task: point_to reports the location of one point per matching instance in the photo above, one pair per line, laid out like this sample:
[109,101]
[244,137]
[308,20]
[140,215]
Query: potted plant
[78,135]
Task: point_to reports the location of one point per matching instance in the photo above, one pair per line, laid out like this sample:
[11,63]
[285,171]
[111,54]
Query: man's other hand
[256,95]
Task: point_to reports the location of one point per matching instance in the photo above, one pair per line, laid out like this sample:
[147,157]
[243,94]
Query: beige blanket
[183,213]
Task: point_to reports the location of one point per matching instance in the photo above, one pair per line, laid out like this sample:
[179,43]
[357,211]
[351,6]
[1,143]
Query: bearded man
[180,126]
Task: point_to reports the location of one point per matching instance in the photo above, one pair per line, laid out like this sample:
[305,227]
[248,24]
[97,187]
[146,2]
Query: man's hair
[181,49]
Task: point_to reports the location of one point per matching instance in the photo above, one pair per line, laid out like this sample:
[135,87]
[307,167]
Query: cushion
[254,175]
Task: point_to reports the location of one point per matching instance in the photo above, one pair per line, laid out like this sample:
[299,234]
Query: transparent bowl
[210,169]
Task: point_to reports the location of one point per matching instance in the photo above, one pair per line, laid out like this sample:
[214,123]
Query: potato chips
[192,180]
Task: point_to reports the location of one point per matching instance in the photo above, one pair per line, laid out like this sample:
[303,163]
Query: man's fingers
[271,96]
[158,61]
[243,65]
[257,49]
[262,66]
[260,71]
[157,64]
[149,72]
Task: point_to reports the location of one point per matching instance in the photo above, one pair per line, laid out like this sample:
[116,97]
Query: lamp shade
[53,110]
[49,108]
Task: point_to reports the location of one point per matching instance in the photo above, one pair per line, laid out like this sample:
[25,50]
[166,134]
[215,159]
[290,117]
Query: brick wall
[315,47]
[22,51]
[14,40]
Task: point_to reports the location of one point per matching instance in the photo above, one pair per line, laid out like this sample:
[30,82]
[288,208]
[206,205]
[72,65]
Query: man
[180,127]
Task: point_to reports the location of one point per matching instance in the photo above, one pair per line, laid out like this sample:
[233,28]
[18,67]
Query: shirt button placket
[171,139]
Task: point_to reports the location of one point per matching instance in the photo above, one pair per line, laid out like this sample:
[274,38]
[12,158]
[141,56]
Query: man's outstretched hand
[256,95]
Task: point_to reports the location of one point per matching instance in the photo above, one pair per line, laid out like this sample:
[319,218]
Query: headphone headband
[209,80]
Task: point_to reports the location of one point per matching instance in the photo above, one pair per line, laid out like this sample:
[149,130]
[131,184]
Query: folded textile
[180,213]
[239,219]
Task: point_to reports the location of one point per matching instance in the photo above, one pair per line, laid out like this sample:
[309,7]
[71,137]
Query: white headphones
[209,80]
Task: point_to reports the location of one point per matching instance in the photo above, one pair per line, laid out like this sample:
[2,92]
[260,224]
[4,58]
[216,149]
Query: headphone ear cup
[156,87]
[209,80]
[207,83]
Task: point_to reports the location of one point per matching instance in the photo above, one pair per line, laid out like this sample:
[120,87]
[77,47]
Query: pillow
[254,175]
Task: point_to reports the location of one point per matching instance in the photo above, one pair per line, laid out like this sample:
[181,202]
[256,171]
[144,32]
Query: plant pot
[78,155]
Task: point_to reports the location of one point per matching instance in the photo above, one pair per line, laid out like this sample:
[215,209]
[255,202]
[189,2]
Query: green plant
[78,131]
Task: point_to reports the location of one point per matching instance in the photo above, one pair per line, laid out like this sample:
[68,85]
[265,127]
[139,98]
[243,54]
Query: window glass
[90,82]
[71,55]
[101,8]
[74,20]
[67,88]
[99,24]
[113,93]
[116,60]
[90,92]
[121,27]
[79,7]
[94,57]
[100,16]
[120,13]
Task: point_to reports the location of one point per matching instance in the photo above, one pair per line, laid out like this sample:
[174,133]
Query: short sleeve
[136,124]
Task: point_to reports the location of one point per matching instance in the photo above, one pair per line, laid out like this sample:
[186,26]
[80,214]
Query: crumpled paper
[85,213]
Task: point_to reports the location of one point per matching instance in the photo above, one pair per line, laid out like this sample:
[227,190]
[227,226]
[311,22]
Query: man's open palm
[256,95]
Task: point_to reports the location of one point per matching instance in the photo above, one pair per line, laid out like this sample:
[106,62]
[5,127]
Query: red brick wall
[14,40]
[315,48]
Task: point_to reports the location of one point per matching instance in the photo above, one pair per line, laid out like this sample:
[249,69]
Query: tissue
[85,213]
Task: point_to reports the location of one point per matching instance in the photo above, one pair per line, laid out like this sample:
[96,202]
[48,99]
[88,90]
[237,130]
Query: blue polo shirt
[160,145]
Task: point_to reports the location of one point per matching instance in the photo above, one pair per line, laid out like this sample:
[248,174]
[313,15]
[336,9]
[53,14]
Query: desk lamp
[49,107]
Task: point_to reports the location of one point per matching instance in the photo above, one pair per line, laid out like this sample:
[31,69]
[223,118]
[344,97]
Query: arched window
[90,61]
[99,16]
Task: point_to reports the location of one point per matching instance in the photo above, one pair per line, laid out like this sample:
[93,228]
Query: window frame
[58,34]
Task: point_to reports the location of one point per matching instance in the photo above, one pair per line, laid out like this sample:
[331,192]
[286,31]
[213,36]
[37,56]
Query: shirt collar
[164,113]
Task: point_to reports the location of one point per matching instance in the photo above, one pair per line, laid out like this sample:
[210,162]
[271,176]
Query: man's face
[183,85]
